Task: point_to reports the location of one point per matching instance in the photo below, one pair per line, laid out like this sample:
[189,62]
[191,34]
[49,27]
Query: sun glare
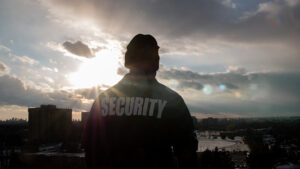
[100,70]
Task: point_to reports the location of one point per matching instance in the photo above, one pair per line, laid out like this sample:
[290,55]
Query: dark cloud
[78,48]
[272,93]
[270,85]
[179,74]
[258,35]
[195,80]
[230,86]
[194,19]
[251,94]
[14,92]
[189,84]
[247,94]
[279,82]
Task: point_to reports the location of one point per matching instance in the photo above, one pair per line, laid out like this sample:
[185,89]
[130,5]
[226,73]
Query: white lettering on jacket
[132,106]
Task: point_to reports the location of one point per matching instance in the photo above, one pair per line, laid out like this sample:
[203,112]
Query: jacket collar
[140,77]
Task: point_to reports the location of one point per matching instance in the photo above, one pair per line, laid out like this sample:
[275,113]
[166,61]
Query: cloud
[3,69]
[122,71]
[201,19]
[292,2]
[78,48]
[275,10]
[215,33]
[180,74]
[4,48]
[229,3]
[243,93]
[49,69]
[189,84]
[256,35]
[13,91]
[274,20]
[89,93]
[26,60]
[276,86]
[236,70]
[183,79]
[236,91]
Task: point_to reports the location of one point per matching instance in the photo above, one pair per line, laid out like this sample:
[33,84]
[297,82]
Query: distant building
[84,117]
[195,121]
[48,123]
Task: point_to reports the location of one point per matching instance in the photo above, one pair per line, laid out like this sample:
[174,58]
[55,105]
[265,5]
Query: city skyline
[227,58]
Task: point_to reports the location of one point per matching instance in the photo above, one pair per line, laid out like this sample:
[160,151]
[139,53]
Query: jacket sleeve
[185,143]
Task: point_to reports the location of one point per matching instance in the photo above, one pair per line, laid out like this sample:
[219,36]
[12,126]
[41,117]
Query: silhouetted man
[140,123]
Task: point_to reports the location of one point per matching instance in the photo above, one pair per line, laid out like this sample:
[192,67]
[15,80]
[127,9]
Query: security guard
[139,122]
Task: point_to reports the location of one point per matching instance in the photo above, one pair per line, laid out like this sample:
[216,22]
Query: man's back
[140,123]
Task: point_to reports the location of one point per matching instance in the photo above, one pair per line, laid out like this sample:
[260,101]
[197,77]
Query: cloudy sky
[227,58]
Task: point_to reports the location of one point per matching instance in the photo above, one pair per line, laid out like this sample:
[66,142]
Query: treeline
[13,121]
[13,134]
[266,156]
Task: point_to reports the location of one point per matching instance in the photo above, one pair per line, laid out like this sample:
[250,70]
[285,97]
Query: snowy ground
[229,145]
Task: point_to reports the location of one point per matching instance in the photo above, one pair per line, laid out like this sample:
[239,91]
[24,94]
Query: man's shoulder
[109,92]
[159,90]
[167,92]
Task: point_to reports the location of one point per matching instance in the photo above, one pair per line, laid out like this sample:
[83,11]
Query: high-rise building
[48,123]
[84,117]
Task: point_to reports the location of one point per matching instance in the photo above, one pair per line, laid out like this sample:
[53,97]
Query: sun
[100,70]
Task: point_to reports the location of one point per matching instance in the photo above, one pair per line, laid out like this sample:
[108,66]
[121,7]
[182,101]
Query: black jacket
[140,123]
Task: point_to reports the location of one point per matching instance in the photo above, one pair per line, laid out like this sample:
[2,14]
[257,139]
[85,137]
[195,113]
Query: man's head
[142,54]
